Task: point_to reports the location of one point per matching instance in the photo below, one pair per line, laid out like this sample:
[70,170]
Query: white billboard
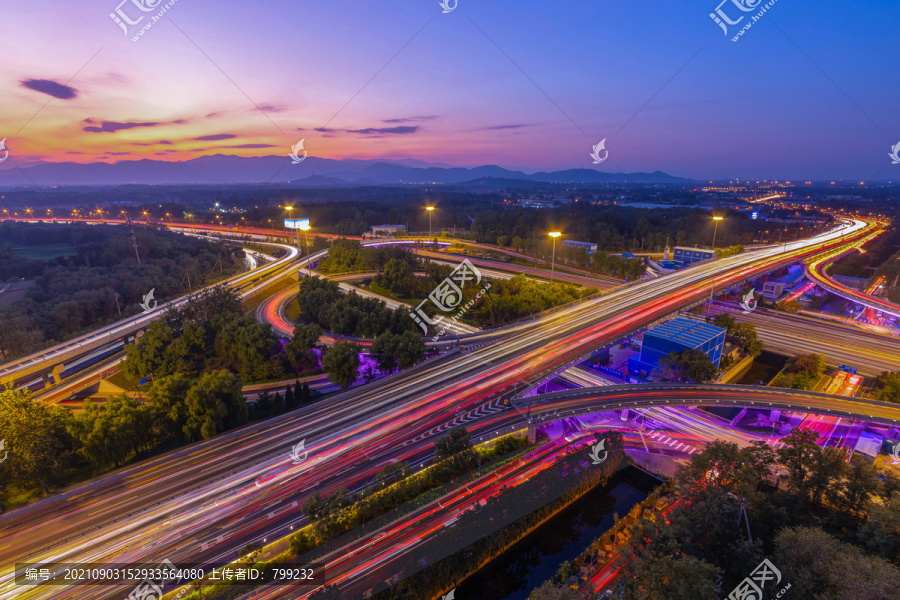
[296,223]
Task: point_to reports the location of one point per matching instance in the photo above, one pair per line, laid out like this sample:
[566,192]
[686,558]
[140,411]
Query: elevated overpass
[547,407]
[354,434]
[815,271]
[51,361]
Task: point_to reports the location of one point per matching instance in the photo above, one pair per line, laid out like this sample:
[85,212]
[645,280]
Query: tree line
[828,525]
[100,281]
[53,445]
[209,332]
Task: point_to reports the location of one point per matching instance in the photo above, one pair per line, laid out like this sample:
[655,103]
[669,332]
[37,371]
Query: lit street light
[715,229]
[554,235]
[430,209]
[305,228]
[289,209]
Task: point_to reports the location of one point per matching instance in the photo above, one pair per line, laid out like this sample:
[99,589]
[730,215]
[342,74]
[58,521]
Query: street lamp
[715,229]
[305,228]
[289,209]
[554,235]
[430,209]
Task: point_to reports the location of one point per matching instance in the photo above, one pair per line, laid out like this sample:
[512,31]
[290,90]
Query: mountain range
[312,172]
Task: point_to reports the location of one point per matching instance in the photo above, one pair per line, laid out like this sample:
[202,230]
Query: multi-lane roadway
[205,501]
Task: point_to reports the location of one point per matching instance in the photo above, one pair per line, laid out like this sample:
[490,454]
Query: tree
[860,484]
[762,458]
[551,591]
[821,567]
[826,472]
[397,277]
[792,306]
[888,387]
[457,441]
[341,362]
[315,297]
[688,365]
[410,349]
[744,336]
[385,348]
[37,444]
[214,403]
[810,364]
[299,349]
[881,533]
[329,592]
[660,568]
[290,400]
[725,321]
[167,399]
[249,552]
[797,456]
[720,464]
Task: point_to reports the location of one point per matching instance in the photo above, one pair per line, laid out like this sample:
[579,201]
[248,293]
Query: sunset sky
[810,91]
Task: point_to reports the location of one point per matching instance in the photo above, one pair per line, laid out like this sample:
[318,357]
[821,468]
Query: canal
[536,558]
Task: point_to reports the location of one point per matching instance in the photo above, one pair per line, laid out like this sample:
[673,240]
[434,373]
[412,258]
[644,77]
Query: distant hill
[312,172]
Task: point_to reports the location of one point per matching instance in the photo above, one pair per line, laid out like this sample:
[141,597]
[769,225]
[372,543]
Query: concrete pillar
[57,372]
[532,434]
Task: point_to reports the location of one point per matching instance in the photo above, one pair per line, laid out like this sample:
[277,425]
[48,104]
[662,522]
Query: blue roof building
[689,256]
[676,335]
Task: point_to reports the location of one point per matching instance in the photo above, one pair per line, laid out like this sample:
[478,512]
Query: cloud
[410,119]
[250,146]
[51,88]
[516,126]
[118,153]
[164,142]
[74,152]
[236,146]
[373,131]
[214,137]
[274,108]
[113,126]
[399,130]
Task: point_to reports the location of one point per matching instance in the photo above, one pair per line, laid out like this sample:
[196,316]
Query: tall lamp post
[715,229]
[305,228]
[289,209]
[554,235]
[430,210]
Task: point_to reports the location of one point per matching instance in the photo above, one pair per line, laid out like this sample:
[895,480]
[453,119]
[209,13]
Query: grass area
[292,310]
[125,382]
[46,252]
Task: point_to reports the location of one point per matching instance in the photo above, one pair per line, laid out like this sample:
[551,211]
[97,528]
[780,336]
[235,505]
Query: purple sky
[810,91]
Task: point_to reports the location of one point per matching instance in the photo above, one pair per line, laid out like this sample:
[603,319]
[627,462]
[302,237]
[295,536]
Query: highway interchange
[203,502]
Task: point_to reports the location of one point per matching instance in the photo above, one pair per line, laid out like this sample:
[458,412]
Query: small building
[676,335]
[793,279]
[591,248]
[689,256]
[387,230]
[534,203]
[773,289]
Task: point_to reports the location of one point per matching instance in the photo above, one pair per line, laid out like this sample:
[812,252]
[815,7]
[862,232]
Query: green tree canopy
[688,365]
[341,362]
